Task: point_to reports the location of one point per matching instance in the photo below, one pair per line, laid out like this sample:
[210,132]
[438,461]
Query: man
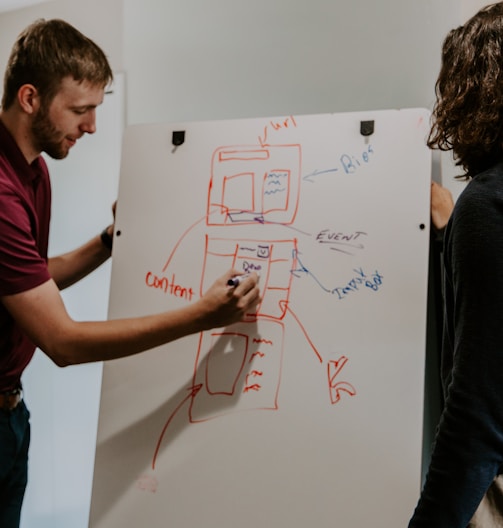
[463,484]
[54,81]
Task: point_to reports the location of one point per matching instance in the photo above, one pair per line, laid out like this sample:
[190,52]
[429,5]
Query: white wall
[470,7]
[64,402]
[199,60]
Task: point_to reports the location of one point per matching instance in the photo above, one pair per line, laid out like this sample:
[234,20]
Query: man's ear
[28,98]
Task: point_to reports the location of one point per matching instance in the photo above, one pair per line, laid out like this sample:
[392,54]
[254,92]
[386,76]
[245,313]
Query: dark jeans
[14,443]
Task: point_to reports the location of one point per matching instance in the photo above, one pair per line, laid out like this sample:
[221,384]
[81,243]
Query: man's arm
[69,268]
[41,313]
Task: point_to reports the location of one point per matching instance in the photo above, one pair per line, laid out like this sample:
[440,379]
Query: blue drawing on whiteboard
[351,163]
[317,172]
[361,279]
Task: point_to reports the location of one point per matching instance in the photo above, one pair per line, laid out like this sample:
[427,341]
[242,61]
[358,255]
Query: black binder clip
[366,128]
[177,139]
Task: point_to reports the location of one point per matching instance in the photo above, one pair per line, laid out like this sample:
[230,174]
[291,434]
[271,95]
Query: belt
[9,400]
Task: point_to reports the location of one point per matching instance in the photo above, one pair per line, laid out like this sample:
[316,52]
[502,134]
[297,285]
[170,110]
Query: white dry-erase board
[309,412]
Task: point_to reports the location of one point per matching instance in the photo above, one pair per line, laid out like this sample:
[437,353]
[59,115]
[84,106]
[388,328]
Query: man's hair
[45,53]
[467,116]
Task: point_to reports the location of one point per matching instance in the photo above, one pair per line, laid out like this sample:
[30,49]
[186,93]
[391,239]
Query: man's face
[57,126]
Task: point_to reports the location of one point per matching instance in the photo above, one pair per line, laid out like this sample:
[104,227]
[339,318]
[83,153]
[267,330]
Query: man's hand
[223,305]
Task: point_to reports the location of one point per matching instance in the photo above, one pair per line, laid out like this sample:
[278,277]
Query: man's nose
[89,124]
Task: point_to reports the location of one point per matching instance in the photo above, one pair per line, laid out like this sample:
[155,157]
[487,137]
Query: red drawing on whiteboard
[147,483]
[336,387]
[239,368]
[266,192]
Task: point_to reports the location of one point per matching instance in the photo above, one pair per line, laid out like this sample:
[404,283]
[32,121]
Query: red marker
[235,281]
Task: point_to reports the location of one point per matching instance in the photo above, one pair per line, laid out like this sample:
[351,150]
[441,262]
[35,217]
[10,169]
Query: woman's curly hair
[467,117]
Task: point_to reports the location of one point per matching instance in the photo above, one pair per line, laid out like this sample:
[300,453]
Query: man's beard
[45,133]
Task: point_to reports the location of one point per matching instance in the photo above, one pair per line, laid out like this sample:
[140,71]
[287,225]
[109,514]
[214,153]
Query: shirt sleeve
[21,265]
[468,449]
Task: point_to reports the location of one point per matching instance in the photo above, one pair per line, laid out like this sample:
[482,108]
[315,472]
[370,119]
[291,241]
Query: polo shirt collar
[24,171]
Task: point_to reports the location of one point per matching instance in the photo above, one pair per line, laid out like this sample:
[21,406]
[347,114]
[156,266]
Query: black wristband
[106,239]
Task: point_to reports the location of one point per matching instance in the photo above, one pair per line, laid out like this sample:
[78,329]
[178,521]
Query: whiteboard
[310,410]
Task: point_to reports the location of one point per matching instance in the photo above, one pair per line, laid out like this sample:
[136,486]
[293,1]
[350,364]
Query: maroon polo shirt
[25,209]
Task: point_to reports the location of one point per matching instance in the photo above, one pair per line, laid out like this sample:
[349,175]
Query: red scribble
[343,386]
[334,367]
[265,341]
[193,391]
[184,234]
[168,285]
[286,123]
[147,483]
[285,306]
[255,387]
[253,374]
[209,361]
[258,353]
[268,192]
[263,140]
